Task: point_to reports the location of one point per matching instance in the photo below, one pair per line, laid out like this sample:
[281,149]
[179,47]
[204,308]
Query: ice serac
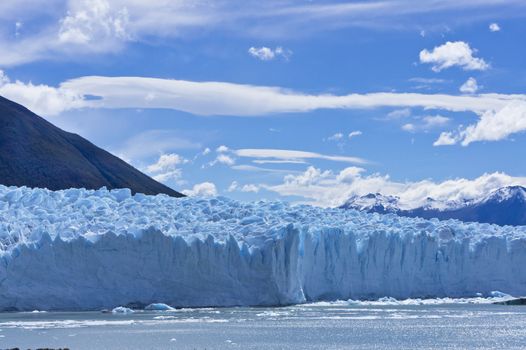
[87,249]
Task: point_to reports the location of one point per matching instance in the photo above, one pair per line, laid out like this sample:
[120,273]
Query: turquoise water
[314,326]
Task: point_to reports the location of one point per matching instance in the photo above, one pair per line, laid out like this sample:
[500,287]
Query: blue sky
[308,101]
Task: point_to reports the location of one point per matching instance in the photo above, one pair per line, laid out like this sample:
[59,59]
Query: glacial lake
[339,325]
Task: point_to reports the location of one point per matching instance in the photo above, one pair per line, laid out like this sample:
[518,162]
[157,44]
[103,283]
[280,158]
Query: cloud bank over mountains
[327,188]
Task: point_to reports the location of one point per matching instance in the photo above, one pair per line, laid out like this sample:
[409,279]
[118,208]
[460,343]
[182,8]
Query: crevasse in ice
[86,249]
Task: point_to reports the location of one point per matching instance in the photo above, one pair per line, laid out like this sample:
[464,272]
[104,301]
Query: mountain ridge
[504,206]
[36,153]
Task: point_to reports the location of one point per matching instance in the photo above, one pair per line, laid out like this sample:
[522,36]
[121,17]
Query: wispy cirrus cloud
[217,98]
[258,169]
[221,98]
[500,115]
[154,142]
[279,161]
[235,186]
[427,80]
[293,155]
[426,123]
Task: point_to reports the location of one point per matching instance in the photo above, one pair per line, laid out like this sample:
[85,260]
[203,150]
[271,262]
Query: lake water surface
[340,325]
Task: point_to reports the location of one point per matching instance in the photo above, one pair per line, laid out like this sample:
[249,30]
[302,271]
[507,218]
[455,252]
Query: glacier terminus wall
[86,250]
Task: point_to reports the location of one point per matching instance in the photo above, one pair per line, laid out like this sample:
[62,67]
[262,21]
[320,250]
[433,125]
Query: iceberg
[159,307]
[83,249]
[122,310]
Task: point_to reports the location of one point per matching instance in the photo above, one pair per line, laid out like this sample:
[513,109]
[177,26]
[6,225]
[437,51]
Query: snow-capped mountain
[505,206]
[373,203]
[35,153]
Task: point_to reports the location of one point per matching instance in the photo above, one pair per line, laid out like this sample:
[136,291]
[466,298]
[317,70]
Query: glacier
[83,249]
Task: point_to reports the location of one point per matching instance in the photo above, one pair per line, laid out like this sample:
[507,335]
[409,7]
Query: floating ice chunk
[164,318]
[497,294]
[159,307]
[122,310]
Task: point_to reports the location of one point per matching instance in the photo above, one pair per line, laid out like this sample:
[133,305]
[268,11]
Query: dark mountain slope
[35,153]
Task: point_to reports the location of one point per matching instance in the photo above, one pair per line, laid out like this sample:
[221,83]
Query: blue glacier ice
[159,307]
[90,249]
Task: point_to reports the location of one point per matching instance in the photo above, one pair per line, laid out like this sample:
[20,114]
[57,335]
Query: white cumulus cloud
[336,137]
[470,86]
[4,79]
[166,162]
[353,134]
[492,126]
[426,123]
[250,188]
[399,114]
[93,21]
[41,99]
[168,176]
[494,27]
[166,168]
[222,149]
[267,54]
[452,54]
[67,30]
[446,138]
[225,159]
[234,186]
[497,125]
[204,189]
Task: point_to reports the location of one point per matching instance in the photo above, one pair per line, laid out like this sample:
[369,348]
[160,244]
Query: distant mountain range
[35,153]
[505,206]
